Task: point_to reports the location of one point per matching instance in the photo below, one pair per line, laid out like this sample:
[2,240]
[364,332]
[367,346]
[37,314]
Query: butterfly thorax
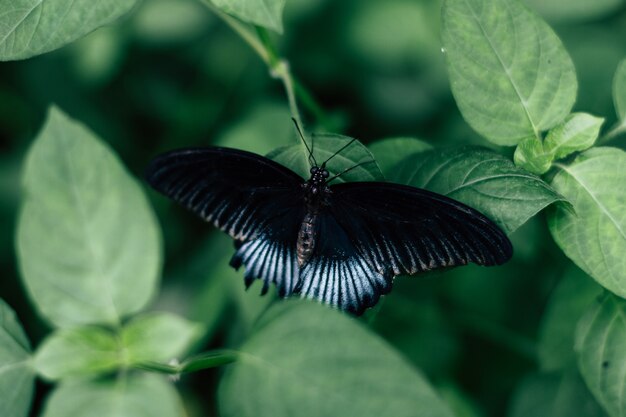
[316,194]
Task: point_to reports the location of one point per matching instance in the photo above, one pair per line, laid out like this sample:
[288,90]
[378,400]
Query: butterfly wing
[380,230]
[254,199]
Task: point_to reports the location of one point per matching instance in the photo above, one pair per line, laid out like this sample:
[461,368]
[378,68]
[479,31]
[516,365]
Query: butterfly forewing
[405,230]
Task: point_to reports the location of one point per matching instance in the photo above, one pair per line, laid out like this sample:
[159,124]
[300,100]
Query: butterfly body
[316,196]
[341,244]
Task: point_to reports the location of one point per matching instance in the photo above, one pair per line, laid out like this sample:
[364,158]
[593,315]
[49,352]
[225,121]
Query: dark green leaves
[267,13]
[388,152]
[88,243]
[600,341]
[309,360]
[129,396]
[32,27]
[16,375]
[325,145]
[510,75]
[482,179]
[619,92]
[594,234]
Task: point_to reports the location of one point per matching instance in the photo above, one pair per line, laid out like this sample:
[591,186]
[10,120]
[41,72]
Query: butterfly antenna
[345,171]
[306,145]
[337,153]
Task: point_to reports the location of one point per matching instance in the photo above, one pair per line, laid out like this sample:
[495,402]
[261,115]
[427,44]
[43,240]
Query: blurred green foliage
[171,74]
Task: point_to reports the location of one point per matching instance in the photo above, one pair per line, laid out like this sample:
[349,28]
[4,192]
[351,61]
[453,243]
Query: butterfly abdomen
[306,237]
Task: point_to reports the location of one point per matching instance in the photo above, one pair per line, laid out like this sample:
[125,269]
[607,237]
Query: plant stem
[263,46]
[204,360]
[616,130]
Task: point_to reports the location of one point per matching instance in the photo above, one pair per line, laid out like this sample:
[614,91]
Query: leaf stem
[263,46]
[204,360]
[616,130]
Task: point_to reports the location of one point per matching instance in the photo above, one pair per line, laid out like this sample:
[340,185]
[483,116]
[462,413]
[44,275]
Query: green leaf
[79,351]
[555,394]
[600,341]
[310,360]
[325,145]
[594,235]
[531,155]
[510,75]
[570,300]
[88,243]
[32,27]
[16,374]
[388,152]
[158,337]
[619,91]
[482,179]
[577,132]
[134,395]
[266,13]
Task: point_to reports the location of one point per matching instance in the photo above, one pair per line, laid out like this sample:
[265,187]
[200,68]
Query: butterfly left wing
[371,232]
[252,198]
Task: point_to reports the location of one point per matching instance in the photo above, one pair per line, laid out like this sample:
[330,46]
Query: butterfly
[341,244]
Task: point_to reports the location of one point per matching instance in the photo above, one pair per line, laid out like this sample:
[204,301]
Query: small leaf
[531,155]
[79,351]
[266,13]
[482,179]
[158,337]
[88,243]
[571,298]
[133,395]
[32,27]
[619,91]
[554,394]
[309,360]
[600,341]
[577,132]
[388,152]
[325,145]
[16,374]
[510,75]
[594,234]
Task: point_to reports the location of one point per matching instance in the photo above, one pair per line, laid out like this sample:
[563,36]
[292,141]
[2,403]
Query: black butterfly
[341,244]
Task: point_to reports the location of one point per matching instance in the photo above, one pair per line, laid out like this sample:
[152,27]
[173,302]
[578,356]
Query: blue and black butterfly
[341,244]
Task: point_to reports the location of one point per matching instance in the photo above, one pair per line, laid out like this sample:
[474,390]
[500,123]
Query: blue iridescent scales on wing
[340,244]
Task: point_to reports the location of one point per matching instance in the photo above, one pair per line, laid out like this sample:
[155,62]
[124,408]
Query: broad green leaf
[388,152]
[594,234]
[482,179]
[510,75]
[619,91]
[158,337]
[567,10]
[310,360]
[16,374]
[32,27]
[571,298]
[325,145]
[88,243]
[79,351]
[531,155]
[134,395]
[554,394]
[577,132]
[266,13]
[600,341]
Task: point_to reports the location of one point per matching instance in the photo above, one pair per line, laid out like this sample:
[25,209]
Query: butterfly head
[319,175]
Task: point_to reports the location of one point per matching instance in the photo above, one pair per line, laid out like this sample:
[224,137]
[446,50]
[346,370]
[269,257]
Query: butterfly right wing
[252,198]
